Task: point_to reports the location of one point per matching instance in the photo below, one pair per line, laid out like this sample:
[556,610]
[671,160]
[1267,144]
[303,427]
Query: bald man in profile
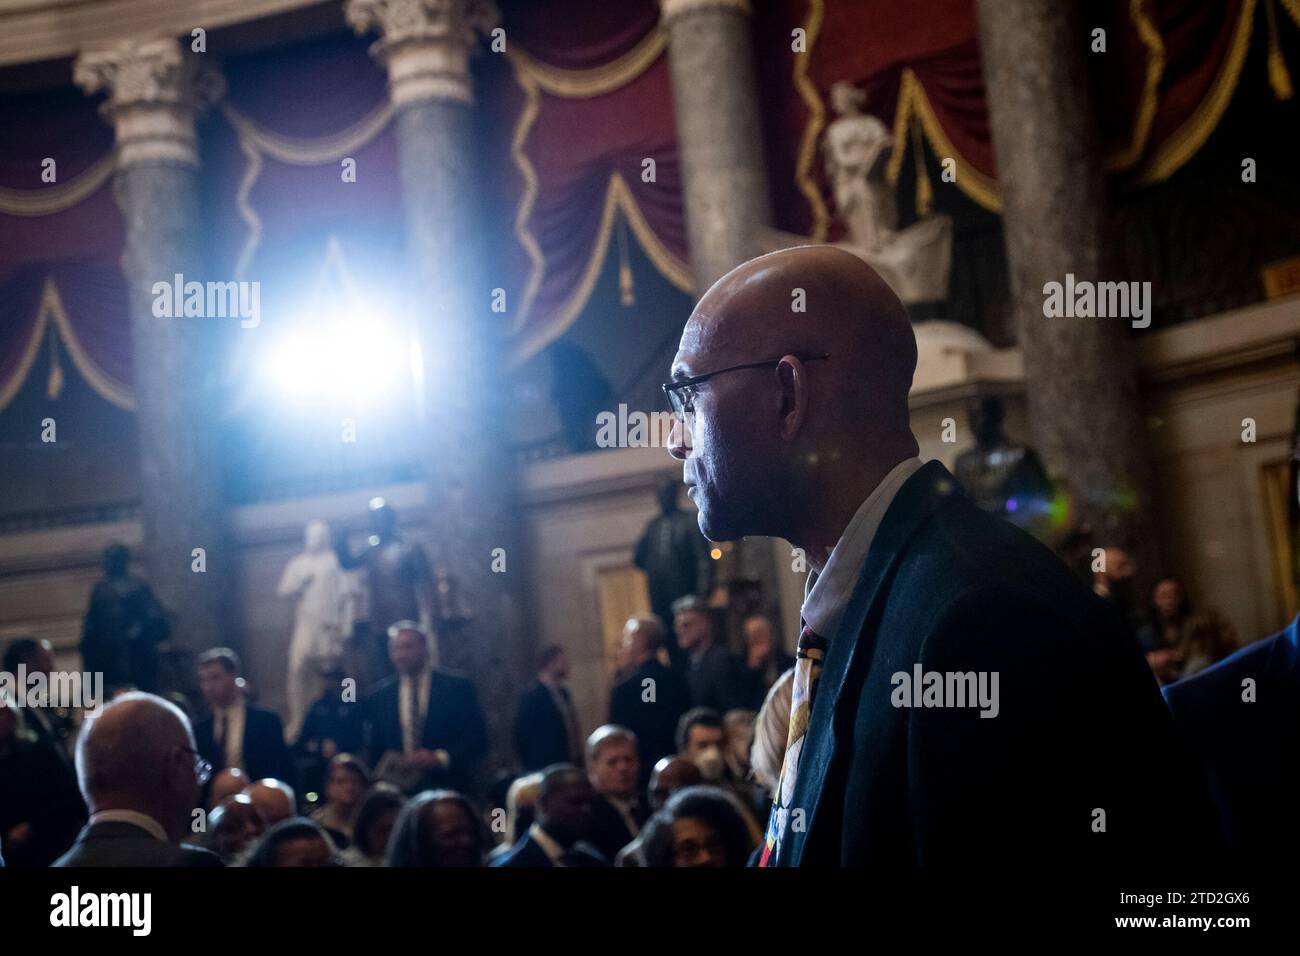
[138,770]
[960,699]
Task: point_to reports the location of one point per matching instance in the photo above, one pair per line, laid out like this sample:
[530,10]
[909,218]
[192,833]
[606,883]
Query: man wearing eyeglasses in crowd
[141,775]
[796,425]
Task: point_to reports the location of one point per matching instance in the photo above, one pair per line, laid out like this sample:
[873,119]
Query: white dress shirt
[141,820]
[827,594]
[234,727]
[554,852]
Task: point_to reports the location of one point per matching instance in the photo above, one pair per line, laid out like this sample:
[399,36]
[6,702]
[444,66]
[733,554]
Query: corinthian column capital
[154,90]
[425,44]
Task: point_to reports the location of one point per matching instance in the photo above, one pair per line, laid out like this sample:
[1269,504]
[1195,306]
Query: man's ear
[792,375]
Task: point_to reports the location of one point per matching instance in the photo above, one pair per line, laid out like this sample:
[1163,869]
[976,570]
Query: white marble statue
[915,261]
[322,620]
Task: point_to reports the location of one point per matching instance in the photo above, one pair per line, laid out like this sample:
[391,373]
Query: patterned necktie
[807,671]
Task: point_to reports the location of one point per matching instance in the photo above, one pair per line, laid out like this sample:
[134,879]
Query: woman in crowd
[292,843]
[372,827]
[699,826]
[438,828]
[345,785]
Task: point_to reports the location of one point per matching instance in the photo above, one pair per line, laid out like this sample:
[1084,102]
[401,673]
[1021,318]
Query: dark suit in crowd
[654,722]
[529,853]
[265,752]
[718,679]
[332,719]
[1249,748]
[453,722]
[609,831]
[544,734]
[1080,730]
[116,843]
[36,790]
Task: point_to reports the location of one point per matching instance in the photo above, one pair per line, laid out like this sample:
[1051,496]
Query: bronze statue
[399,579]
[675,557]
[123,627]
[1003,478]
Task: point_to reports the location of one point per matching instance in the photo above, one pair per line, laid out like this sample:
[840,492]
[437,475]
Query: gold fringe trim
[1170,156]
[1278,77]
[584,84]
[618,197]
[914,105]
[812,130]
[524,210]
[54,198]
[52,313]
[1155,44]
[255,140]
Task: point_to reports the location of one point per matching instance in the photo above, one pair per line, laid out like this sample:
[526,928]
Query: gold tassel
[1278,77]
[626,289]
[924,192]
[54,385]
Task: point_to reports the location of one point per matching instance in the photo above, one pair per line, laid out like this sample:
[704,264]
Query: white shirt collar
[133,817]
[547,842]
[827,594]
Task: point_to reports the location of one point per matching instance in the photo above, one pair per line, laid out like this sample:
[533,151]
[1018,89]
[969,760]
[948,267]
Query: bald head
[139,755]
[829,412]
[274,799]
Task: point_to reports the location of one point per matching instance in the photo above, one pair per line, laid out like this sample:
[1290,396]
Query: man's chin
[717,530]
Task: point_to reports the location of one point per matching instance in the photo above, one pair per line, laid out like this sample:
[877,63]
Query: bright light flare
[349,363]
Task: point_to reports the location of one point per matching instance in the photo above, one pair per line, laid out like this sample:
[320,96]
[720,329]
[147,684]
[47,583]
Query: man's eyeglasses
[202,769]
[681,392]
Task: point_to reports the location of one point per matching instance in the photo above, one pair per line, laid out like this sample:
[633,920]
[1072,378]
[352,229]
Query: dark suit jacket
[609,832]
[717,680]
[453,722]
[1249,749]
[541,735]
[265,752]
[1080,726]
[125,844]
[528,853]
[653,722]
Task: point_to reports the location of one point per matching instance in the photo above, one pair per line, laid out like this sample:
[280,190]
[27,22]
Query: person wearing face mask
[701,738]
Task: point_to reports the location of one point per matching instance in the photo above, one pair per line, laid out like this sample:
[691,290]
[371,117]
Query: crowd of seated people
[682,774]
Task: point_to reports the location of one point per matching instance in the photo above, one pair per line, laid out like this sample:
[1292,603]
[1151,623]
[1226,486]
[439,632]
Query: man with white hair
[140,774]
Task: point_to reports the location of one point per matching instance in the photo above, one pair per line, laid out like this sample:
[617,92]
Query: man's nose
[679,437]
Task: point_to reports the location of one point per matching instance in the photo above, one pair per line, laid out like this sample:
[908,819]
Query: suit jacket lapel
[850,650]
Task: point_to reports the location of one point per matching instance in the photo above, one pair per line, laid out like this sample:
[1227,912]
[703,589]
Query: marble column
[1080,373]
[153,89]
[425,46]
[724,169]
[719,133]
